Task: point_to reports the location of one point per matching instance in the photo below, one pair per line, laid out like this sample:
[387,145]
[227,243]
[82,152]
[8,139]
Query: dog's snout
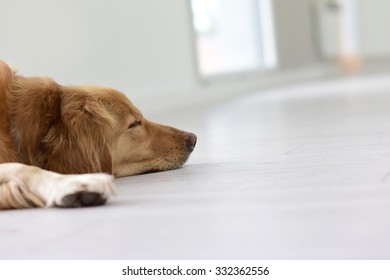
[191,141]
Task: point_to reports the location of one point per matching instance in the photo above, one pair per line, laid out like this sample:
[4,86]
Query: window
[233,35]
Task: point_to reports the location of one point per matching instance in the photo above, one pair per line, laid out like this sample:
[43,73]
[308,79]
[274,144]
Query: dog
[61,146]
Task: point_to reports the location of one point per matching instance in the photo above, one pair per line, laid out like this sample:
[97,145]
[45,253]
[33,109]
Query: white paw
[79,190]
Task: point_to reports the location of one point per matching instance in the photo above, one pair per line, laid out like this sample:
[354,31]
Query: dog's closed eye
[134,124]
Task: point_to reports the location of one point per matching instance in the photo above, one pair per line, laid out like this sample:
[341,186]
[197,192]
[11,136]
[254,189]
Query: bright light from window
[234,35]
[267,33]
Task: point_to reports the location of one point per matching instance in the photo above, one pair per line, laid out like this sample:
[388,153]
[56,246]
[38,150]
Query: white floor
[301,172]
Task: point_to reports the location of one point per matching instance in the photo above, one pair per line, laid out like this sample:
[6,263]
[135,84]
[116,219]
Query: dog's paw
[80,191]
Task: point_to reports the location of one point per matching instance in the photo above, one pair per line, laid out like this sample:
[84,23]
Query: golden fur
[82,129]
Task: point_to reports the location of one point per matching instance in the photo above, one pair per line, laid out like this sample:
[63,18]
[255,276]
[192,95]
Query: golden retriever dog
[90,132]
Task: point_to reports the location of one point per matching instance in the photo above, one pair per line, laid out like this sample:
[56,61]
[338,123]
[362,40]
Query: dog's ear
[88,134]
[58,128]
[80,142]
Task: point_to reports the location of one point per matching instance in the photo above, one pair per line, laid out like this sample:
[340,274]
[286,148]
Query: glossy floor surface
[298,172]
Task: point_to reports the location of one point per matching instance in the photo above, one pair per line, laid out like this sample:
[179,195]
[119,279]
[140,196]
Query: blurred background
[181,52]
[289,99]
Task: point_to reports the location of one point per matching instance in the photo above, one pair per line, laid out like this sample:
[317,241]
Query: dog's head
[89,129]
[132,143]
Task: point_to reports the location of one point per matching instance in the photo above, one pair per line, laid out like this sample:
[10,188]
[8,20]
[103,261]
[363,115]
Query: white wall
[139,46]
[142,47]
[374,21]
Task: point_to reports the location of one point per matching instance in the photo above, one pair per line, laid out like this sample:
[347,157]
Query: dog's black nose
[191,141]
